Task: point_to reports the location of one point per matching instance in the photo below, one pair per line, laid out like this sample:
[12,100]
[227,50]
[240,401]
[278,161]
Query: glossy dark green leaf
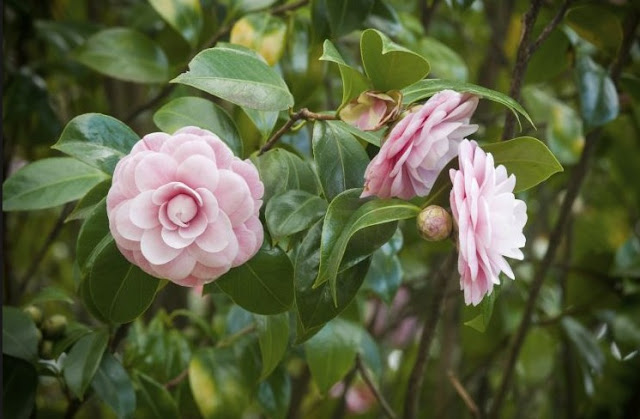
[19,383]
[346,215]
[353,81]
[94,235]
[48,183]
[598,96]
[185,16]
[201,113]
[98,140]
[292,212]
[153,399]
[263,285]
[264,121]
[445,62]
[551,59]
[527,158]
[385,274]
[239,75]
[281,171]
[83,361]
[124,54]
[339,157]
[72,334]
[427,88]
[332,351]
[113,386]
[481,320]
[121,291]
[217,383]
[315,306]
[273,337]
[90,201]
[372,137]
[274,393]
[596,24]
[19,334]
[389,65]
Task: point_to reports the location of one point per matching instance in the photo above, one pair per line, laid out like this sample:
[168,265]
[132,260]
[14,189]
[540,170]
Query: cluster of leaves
[299,304]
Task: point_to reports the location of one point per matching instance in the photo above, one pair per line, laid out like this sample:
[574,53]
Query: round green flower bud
[55,326]
[46,349]
[434,223]
[35,313]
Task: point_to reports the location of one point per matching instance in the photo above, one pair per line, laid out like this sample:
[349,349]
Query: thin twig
[177,379]
[525,50]
[367,379]
[464,395]
[228,341]
[347,381]
[118,336]
[573,188]
[416,379]
[51,238]
[302,114]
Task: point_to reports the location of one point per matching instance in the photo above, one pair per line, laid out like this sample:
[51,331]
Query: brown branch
[177,379]
[118,336]
[464,395]
[573,188]
[367,379]
[525,50]
[416,378]
[302,114]
[53,235]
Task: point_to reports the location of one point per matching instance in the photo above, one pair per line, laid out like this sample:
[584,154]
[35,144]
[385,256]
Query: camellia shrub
[324,208]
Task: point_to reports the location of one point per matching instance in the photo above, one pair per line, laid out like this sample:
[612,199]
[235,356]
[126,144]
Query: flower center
[181,209]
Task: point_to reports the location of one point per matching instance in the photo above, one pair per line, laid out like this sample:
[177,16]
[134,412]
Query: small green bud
[55,326]
[35,313]
[46,349]
[434,223]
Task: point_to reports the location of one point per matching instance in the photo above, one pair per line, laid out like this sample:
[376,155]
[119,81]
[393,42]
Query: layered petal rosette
[420,146]
[183,207]
[489,220]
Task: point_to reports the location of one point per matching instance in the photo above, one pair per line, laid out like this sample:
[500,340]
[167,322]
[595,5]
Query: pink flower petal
[198,172]
[154,248]
[216,236]
[154,171]
[143,212]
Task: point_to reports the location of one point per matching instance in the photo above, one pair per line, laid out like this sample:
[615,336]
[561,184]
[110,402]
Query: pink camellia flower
[420,146]
[183,207]
[489,220]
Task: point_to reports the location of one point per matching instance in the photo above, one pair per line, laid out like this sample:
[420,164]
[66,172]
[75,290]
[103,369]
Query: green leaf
[83,361]
[185,16]
[202,113]
[273,337]
[246,6]
[19,384]
[97,140]
[121,291]
[384,17]
[90,201]
[51,293]
[281,171]
[584,343]
[527,158]
[218,385]
[239,75]
[72,334]
[339,157]
[113,386]
[292,212]
[598,96]
[345,16]
[536,361]
[19,334]
[94,235]
[368,136]
[332,351]
[315,306]
[445,62]
[263,285]
[353,81]
[48,183]
[389,65]
[481,321]
[264,121]
[597,25]
[427,88]
[346,215]
[385,274]
[627,260]
[124,54]
[153,399]
[274,393]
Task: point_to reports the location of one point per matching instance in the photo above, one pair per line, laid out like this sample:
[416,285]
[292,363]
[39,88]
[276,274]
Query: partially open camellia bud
[371,110]
[434,223]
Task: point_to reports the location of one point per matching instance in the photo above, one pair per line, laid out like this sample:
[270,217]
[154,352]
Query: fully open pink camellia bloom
[183,207]
[420,146]
[489,219]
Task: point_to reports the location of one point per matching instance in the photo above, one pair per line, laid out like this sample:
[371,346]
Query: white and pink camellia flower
[420,146]
[183,207]
[489,220]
